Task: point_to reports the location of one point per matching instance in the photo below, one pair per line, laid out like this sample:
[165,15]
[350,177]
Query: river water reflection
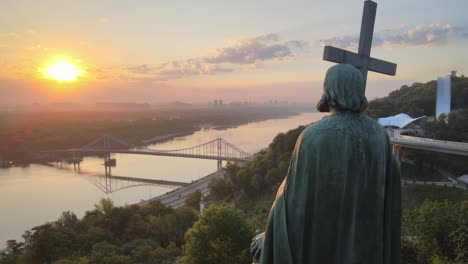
[36,194]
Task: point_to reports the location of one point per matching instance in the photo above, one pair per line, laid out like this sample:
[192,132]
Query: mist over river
[33,195]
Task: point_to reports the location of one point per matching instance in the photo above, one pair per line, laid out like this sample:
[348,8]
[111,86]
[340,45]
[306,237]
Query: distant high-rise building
[444,94]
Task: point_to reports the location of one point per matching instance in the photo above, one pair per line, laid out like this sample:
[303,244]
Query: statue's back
[335,200]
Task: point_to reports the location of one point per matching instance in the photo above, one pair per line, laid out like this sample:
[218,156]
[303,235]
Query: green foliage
[221,235]
[258,179]
[158,255]
[436,231]
[149,233]
[418,99]
[106,253]
[193,200]
[104,206]
[413,196]
[12,253]
[453,127]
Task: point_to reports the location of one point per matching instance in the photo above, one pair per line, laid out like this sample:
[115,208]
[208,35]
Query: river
[33,195]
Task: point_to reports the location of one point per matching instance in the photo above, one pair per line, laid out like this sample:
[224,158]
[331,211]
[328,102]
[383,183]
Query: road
[177,197]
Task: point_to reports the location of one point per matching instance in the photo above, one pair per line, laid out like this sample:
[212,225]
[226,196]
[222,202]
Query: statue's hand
[256,245]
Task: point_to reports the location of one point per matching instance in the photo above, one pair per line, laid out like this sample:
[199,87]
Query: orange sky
[153,51]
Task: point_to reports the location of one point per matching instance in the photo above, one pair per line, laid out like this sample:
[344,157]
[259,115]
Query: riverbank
[58,190]
[158,139]
[167,137]
[24,132]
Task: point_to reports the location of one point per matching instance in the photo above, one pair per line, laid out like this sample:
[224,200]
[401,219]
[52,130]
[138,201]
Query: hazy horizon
[157,52]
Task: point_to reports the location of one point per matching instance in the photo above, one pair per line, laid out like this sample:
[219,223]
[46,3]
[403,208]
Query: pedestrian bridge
[450,147]
[217,149]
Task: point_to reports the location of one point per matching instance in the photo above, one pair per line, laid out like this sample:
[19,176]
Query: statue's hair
[344,89]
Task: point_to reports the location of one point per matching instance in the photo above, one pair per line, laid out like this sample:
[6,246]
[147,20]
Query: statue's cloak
[340,202]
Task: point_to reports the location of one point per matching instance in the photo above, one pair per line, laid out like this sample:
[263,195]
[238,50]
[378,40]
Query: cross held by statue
[362,59]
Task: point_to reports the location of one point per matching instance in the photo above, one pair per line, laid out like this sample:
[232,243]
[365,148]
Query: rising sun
[62,71]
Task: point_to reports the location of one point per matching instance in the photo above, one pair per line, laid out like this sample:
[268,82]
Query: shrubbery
[150,233]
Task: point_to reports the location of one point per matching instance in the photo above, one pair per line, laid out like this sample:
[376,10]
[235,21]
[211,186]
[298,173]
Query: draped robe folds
[340,202]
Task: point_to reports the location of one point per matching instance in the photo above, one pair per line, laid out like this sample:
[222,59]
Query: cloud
[430,35]
[140,69]
[245,52]
[177,69]
[258,49]
[345,42]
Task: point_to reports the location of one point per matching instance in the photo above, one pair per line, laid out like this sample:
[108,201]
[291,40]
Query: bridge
[399,141]
[218,149]
[450,147]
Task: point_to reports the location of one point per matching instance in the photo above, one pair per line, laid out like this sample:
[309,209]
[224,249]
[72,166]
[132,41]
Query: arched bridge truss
[217,149]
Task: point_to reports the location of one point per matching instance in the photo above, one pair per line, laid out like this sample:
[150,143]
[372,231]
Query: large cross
[362,59]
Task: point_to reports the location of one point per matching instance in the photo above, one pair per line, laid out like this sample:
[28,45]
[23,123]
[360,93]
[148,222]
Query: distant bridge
[218,149]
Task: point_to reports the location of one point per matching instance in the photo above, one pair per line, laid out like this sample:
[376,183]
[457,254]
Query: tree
[221,235]
[436,231]
[104,206]
[193,200]
[165,255]
[106,253]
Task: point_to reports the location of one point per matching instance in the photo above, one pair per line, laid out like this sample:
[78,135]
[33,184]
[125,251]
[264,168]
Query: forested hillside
[418,99]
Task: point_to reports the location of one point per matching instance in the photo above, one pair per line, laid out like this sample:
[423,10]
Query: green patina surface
[341,200]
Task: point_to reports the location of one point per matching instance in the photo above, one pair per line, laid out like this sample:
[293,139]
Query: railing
[427,143]
[435,141]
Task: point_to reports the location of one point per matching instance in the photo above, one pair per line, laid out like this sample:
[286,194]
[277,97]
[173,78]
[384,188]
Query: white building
[444,94]
[463,180]
[404,123]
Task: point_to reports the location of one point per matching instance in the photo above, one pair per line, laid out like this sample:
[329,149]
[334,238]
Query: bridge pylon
[396,153]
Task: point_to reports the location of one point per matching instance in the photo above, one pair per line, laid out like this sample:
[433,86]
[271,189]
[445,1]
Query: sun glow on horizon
[62,71]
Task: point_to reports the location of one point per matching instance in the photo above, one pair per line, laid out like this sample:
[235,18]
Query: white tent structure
[401,121]
[405,123]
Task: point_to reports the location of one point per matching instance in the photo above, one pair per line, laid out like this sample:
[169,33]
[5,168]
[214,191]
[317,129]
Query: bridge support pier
[108,171]
[76,159]
[220,165]
[108,161]
[396,154]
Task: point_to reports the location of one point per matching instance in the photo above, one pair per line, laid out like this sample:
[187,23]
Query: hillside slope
[418,99]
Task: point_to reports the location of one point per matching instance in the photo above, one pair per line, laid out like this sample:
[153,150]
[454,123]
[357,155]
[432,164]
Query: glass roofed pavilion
[405,123]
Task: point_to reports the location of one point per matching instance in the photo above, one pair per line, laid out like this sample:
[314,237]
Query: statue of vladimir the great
[340,201]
